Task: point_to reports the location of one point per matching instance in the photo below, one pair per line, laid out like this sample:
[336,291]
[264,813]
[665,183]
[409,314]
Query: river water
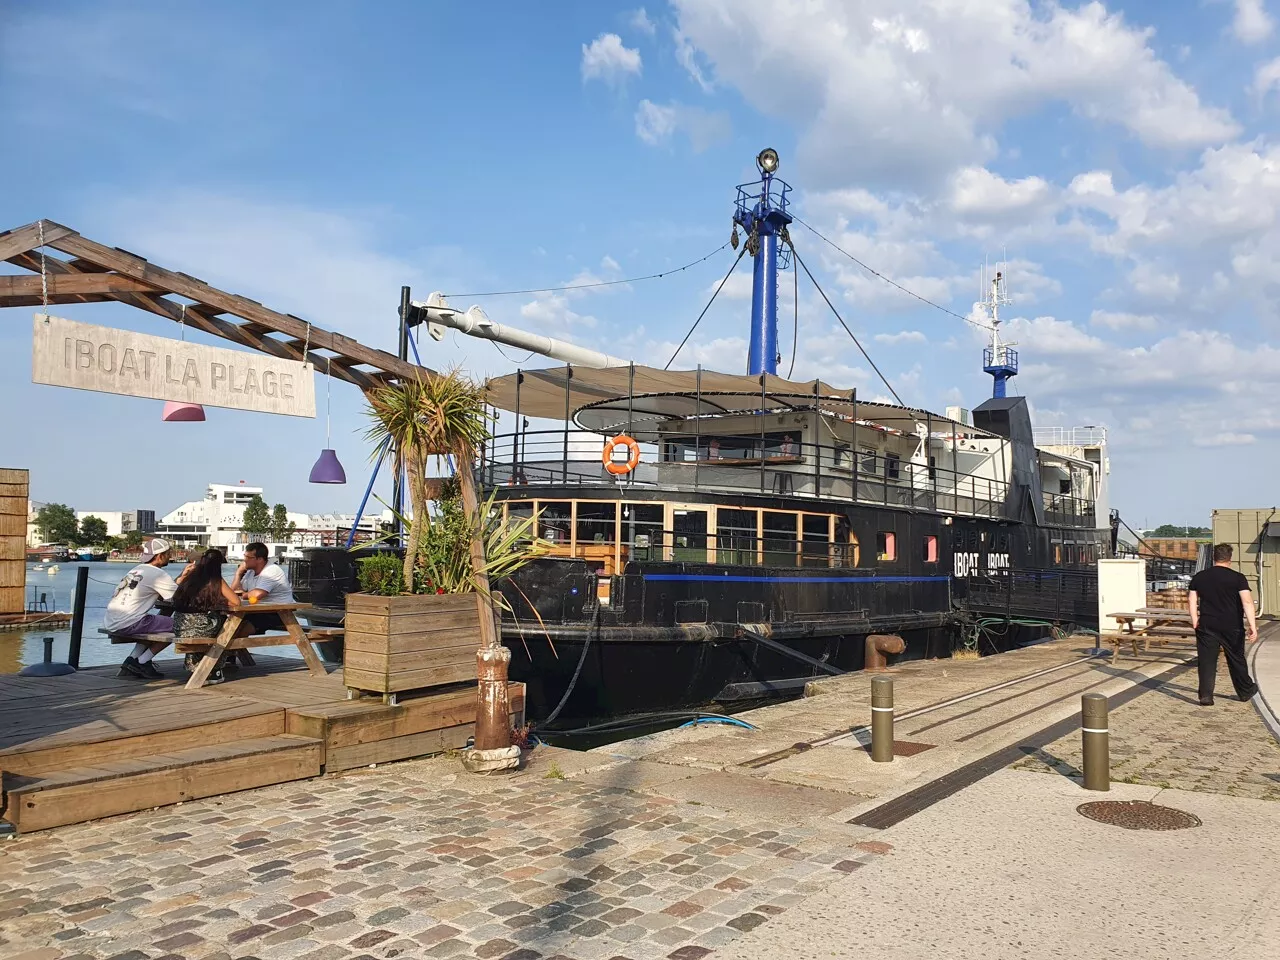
[18,648]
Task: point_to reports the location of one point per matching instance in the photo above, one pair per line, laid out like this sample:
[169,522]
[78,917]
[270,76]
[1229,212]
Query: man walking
[1220,602]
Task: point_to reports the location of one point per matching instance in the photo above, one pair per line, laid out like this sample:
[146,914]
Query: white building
[120,522]
[34,539]
[218,521]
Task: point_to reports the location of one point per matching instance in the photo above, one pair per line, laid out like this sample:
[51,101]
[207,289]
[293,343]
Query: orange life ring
[633,455]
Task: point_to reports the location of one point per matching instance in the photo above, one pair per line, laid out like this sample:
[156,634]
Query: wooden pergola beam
[98,273]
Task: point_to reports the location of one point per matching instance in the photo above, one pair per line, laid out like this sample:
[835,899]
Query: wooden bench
[137,637]
[1145,635]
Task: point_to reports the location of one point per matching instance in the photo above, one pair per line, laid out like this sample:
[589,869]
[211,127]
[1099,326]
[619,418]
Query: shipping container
[1257,554]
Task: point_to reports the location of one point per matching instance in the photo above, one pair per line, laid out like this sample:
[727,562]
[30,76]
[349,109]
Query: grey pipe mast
[436,313]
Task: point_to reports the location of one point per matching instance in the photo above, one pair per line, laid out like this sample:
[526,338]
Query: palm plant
[436,415]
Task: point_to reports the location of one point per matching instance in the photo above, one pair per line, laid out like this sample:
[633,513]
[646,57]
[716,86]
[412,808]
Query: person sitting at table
[128,610]
[200,604]
[261,580]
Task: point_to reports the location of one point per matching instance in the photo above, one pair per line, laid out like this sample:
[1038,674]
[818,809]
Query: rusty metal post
[877,645]
[1096,737]
[882,719]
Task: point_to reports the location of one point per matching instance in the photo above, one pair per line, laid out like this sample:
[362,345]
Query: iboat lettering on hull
[87,357]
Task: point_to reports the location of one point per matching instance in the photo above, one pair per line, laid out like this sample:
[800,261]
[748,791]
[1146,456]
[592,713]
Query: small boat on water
[88,555]
[52,569]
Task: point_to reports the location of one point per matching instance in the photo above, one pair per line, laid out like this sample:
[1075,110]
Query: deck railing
[760,464]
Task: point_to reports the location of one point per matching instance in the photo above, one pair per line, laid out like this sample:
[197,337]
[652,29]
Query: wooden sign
[87,357]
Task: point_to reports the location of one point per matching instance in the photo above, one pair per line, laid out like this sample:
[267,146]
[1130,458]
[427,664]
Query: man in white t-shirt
[129,609]
[261,580]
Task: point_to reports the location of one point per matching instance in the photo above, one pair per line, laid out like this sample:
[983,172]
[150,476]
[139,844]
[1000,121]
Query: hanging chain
[44,276]
[328,381]
[182,324]
[306,346]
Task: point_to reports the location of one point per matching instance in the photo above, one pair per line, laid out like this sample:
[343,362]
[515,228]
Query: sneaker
[131,667]
[1246,697]
[215,677]
[150,672]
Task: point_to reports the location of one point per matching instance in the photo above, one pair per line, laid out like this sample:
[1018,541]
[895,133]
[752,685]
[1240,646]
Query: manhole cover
[909,748]
[1138,815]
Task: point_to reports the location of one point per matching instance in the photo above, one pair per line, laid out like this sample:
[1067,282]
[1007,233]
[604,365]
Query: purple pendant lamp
[327,468]
[175,411]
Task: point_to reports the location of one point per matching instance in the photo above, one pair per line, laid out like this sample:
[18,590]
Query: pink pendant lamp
[327,469]
[175,411]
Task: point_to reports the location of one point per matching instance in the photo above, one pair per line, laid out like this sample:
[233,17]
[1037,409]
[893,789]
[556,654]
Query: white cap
[153,548]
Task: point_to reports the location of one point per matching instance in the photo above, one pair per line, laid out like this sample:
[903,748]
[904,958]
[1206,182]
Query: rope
[667,365]
[44,275]
[892,283]
[599,283]
[864,353]
[795,324]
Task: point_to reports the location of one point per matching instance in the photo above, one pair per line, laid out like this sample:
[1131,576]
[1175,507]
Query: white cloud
[640,22]
[904,336]
[1266,78]
[607,59]
[977,192]
[657,124]
[1114,320]
[1251,23]
[737,287]
[609,264]
[687,57]
[1225,440]
[904,93]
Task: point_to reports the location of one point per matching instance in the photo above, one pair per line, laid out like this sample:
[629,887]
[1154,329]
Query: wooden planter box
[403,643]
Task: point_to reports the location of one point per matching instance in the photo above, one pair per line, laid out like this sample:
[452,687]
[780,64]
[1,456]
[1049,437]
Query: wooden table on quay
[1159,624]
[237,634]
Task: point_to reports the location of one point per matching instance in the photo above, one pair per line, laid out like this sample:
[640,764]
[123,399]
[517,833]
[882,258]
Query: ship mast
[761,210]
[997,359]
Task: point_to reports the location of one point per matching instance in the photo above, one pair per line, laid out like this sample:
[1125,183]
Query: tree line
[57,523]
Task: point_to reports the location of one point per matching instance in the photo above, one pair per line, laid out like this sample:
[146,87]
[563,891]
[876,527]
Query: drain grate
[1138,815]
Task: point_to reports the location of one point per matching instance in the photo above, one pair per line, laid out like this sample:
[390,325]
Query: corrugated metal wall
[1257,556]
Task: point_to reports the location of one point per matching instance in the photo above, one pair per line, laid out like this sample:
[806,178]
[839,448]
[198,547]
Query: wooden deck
[89,745]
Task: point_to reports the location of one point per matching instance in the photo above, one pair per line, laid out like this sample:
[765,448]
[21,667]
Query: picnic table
[237,634]
[1159,625]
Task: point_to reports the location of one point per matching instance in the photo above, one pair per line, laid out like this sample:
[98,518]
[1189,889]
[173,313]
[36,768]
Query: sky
[1120,159]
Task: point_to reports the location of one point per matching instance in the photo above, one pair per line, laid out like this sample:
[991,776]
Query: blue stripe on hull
[691,577]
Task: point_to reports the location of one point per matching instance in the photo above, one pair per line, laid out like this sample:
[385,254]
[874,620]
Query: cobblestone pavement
[413,860]
[1164,738]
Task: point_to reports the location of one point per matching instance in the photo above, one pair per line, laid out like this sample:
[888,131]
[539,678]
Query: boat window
[595,522]
[933,467]
[930,549]
[886,545]
[892,466]
[554,518]
[736,536]
[815,546]
[1057,553]
[642,531]
[779,539]
[868,464]
[519,509]
[838,455]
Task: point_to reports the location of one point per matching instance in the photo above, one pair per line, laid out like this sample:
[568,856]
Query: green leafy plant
[381,574]
[257,518]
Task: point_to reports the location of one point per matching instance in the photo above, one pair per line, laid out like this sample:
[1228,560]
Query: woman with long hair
[201,603]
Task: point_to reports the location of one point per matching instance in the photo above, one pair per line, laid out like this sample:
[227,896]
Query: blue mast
[761,211]
[997,359]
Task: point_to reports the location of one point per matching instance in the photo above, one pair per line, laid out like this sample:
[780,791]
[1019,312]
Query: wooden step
[123,786]
[93,736]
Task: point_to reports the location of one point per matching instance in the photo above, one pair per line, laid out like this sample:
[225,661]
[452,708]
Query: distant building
[34,539]
[218,521]
[1171,548]
[120,522]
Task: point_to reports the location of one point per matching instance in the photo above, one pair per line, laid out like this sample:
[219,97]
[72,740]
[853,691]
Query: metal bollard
[48,649]
[1096,738]
[882,719]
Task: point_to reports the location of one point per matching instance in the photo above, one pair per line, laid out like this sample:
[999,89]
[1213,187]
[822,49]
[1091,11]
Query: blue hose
[731,721]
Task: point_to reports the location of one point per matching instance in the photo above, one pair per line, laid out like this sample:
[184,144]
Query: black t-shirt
[1218,590]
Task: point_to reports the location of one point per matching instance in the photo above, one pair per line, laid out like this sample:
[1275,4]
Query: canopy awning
[632,398]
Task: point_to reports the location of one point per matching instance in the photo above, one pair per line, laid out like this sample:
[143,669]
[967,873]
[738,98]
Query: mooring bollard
[1096,737]
[882,719]
[48,649]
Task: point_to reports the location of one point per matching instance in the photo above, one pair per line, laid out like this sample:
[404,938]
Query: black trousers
[265,621]
[1232,641]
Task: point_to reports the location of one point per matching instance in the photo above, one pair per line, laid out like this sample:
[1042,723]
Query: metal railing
[1067,511]
[757,463]
[1044,594]
[1069,436]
